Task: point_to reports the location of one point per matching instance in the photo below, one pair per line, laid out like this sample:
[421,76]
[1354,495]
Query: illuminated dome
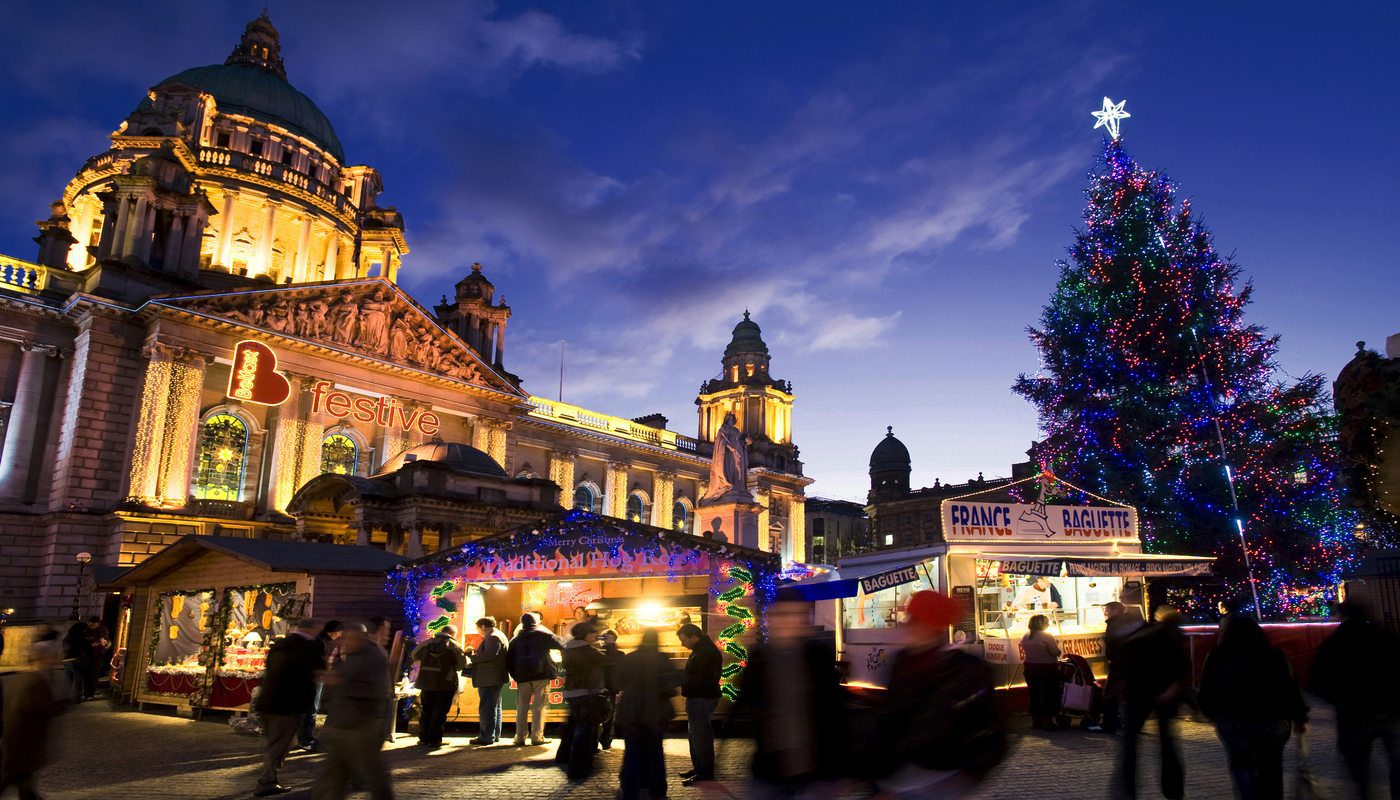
[459,457]
[253,82]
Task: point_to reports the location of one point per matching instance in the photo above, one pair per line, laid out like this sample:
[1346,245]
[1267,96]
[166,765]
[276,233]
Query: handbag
[1078,698]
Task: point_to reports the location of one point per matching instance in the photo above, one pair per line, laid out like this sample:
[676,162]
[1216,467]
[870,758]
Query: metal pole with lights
[84,559]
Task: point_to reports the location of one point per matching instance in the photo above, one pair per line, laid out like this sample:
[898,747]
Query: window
[636,508]
[222,139]
[255,147]
[680,520]
[340,455]
[584,499]
[223,450]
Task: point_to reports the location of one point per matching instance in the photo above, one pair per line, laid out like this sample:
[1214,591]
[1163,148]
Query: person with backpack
[942,728]
[488,676]
[440,661]
[529,664]
[1248,691]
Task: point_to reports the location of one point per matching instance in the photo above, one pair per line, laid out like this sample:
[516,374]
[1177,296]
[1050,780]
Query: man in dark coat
[355,718]
[701,691]
[440,660]
[529,663]
[287,695]
[792,691]
[646,681]
[1355,671]
[1156,674]
[488,676]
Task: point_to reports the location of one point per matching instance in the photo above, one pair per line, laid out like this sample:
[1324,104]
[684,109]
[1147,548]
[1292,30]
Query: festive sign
[254,377]
[384,411]
[1017,522]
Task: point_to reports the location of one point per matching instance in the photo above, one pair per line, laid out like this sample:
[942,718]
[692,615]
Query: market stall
[1003,562]
[205,610]
[575,566]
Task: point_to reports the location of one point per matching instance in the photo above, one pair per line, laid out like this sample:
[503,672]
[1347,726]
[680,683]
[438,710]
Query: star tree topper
[1108,118]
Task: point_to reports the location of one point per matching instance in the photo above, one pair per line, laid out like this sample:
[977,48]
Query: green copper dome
[253,81]
[263,96]
[747,338]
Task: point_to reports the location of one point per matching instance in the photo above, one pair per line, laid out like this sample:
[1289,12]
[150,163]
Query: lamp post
[83,559]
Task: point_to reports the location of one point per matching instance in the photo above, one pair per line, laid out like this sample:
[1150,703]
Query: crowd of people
[937,731]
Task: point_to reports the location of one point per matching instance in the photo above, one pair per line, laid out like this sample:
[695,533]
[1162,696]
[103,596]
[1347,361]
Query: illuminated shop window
[340,455]
[223,451]
[584,499]
[679,516]
[636,508]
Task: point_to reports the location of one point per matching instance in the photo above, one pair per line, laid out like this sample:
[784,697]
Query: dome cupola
[889,468]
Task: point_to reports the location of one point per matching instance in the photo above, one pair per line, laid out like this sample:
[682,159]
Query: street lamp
[83,559]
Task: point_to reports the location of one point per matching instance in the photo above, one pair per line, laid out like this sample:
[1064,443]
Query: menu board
[965,627]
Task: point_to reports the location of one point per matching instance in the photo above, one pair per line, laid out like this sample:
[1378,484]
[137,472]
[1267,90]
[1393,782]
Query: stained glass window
[223,451]
[679,521]
[340,455]
[584,499]
[636,508]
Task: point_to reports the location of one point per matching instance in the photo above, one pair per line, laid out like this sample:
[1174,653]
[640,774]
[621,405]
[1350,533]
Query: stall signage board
[889,578]
[585,555]
[1019,522]
[1117,567]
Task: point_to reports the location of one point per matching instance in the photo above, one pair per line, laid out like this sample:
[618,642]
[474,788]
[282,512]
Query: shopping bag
[1304,781]
[1077,698]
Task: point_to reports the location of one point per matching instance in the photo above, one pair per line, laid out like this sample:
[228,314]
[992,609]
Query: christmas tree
[1145,350]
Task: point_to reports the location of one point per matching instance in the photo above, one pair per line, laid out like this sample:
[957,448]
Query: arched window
[680,516]
[584,498]
[340,455]
[223,451]
[636,507]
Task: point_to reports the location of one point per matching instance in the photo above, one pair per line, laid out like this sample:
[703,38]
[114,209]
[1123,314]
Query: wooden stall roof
[273,555]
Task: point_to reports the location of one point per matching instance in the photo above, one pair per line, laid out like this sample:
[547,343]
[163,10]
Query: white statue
[729,467]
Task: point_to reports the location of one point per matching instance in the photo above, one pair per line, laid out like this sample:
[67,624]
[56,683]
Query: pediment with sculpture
[371,317]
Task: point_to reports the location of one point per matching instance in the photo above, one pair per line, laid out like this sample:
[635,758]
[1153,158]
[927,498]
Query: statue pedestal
[734,521]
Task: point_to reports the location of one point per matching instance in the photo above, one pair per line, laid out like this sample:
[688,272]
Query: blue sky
[886,186]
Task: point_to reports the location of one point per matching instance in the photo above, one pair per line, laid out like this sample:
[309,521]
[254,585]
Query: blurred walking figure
[1156,672]
[1248,691]
[530,666]
[1042,663]
[77,657]
[31,700]
[792,691]
[288,694]
[646,680]
[330,633]
[488,676]
[359,704]
[588,706]
[941,727]
[608,641]
[1355,671]
[701,690]
[1120,623]
[440,662]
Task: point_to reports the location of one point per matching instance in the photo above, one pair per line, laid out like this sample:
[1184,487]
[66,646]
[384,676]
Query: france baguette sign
[1021,522]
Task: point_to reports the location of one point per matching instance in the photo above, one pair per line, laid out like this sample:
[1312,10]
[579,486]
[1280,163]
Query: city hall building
[212,341]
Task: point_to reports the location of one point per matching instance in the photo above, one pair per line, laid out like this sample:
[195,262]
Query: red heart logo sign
[255,378]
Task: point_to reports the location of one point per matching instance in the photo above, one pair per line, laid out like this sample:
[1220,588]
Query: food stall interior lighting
[499,586]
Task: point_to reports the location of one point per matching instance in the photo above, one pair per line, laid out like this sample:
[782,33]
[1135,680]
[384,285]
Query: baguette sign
[254,377]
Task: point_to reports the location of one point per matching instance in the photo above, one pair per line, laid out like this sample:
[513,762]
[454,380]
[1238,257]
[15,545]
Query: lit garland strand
[727,603]
[1127,413]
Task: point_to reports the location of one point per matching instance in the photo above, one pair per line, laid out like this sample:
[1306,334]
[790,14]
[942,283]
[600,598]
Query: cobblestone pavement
[110,753]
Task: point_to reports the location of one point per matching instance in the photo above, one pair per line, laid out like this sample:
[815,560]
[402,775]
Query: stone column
[112,238]
[264,259]
[496,442]
[481,434]
[224,255]
[21,431]
[332,266]
[296,456]
[615,490]
[797,528]
[764,498]
[175,243]
[363,533]
[149,441]
[135,230]
[500,343]
[145,240]
[413,548]
[663,499]
[303,257]
[182,427]
[561,471]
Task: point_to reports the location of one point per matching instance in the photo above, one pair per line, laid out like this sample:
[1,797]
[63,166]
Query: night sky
[886,186]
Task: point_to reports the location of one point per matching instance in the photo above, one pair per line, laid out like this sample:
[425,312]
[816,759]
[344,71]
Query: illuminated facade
[213,323]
